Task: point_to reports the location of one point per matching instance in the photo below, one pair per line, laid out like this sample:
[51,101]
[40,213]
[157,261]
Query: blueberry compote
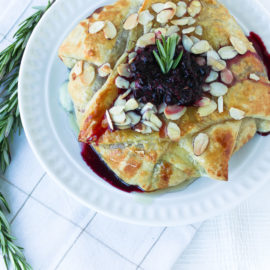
[181,86]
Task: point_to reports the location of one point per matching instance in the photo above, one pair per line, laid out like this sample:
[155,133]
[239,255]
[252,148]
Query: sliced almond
[147,39]
[109,30]
[212,55]
[215,62]
[77,69]
[239,45]
[148,107]
[119,118]
[220,104]
[199,30]
[194,8]
[174,132]
[182,22]
[123,70]
[155,120]
[187,43]
[125,124]
[97,26]
[227,52]
[174,112]
[147,115]
[218,89]
[170,5]
[158,7]
[172,30]
[89,74]
[109,120]
[254,77]
[131,22]
[120,102]
[104,70]
[200,144]
[145,17]
[147,28]
[201,47]
[121,83]
[206,87]
[207,110]
[131,105]
[226,76]
[191,21]
[205,101]
[135,118]
[151,125]
[237,114]
[143,129]
[165,15]
[131,57]
[212,77]
[188,30]
[116,110]
[181,9]
[125,94]
[195,39]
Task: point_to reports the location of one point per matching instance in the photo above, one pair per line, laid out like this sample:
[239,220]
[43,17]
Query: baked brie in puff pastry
[165,91]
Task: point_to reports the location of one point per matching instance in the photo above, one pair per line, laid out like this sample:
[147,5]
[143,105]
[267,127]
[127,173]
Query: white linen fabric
[59,233]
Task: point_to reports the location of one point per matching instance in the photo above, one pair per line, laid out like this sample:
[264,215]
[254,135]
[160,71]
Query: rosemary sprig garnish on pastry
[166,55]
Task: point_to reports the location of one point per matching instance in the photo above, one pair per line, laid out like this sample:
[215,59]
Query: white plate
[51,138]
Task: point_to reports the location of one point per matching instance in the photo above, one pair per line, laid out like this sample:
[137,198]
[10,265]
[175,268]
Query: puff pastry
[156,146]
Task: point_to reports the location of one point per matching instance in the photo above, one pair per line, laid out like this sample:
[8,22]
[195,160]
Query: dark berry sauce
[98,166]
[181,86]
[261,50]
[265,57]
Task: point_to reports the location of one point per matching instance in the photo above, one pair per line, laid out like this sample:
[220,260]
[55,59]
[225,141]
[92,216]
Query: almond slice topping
[172,30]
[194,8]
[97,26]
[220,104]
[165,15]
[123,70]
[239,45]
[218,89]
[254,77]
[187,43]
[109,120]
[212,77]
[188,30]
[181,9]
[135,118]
[147,39]
[182,22]
[109,30]
[145,17]
[158,7]
[151,125]
[174,112]
[201,47]
[205,101]
[174,132]
[155,120]
[226,76]
[237,114]
[78,68]
[119,118]
[104,70]
[199,30]
[200,144]
[227,52]
[131,105]
[207,110]
[121,83]
[131,22]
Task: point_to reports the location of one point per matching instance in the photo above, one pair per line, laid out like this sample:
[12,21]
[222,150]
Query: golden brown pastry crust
[152,161]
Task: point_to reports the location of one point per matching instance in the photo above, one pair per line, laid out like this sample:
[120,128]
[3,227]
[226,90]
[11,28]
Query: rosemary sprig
[10,123]
[165,58]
